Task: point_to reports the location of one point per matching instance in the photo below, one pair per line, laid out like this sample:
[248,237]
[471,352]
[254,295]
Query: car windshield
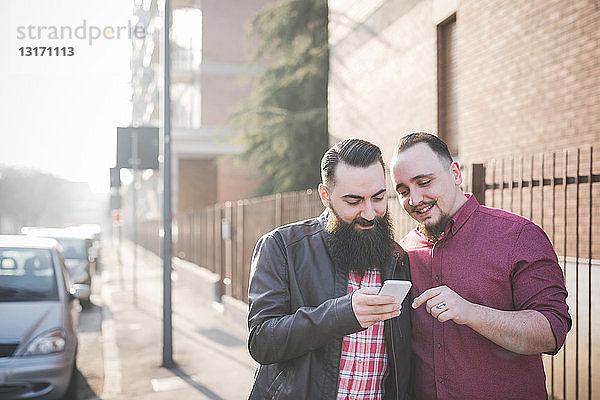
[73,248]
[27,275]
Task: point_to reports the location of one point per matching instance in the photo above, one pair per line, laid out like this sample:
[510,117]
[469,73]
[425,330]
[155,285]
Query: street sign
[115,201]
[115,177]
[117,217]
[137,147]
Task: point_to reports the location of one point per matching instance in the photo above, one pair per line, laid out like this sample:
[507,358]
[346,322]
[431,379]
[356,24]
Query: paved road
[120,350]
[90,361]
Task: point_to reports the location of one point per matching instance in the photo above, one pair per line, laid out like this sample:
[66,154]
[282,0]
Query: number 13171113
[46,51]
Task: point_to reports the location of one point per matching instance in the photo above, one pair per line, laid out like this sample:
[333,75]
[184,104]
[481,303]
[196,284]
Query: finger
[438,309]
[385,299]
[392,315]
[381,300]
[375,299]
[382,317]
[368,290]
[387,309]
[434,301]
[425,296]
[360,297]
[381,313]
[444,316]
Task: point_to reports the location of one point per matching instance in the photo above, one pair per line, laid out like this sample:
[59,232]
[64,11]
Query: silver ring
[441,306]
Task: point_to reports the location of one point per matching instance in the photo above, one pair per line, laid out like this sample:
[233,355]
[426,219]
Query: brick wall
[528,73]
[236,180]
[382,70]
[529,76]
[221,94]
[224,29]
[226,49]
[197,183]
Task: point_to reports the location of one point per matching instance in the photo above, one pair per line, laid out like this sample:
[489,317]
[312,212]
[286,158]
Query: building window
[447,83]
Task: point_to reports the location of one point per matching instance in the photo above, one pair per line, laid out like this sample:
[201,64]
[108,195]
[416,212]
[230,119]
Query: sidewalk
[209,349]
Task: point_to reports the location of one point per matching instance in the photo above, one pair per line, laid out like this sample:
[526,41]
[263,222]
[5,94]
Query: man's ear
[456,173]
[324,195]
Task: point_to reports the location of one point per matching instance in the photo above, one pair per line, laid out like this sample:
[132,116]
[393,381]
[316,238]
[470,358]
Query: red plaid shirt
[364,360]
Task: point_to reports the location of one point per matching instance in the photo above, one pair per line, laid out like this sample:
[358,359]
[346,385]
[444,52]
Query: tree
[32,198]
[283,124]
[27,196]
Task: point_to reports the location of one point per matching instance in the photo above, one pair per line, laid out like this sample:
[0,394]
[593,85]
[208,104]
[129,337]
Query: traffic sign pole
[167,216]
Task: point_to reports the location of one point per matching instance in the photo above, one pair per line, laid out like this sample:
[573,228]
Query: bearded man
[490,296]
[318,327]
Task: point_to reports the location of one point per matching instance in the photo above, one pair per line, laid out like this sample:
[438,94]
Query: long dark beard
[359,250]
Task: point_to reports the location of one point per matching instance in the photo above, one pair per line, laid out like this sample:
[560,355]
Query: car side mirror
[80,291]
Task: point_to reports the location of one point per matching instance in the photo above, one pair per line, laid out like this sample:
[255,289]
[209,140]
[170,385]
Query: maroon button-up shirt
[493,258]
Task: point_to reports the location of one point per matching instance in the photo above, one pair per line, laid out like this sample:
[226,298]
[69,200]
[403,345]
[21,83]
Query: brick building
[512,85]
[496,80]
[492,77]
[209,77]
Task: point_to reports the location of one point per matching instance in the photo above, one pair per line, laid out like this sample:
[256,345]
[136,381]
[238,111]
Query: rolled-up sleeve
[538,281]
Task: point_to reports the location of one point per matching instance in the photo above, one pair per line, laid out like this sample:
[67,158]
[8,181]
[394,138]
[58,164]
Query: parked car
[78,250]
[92,232]
[38,332]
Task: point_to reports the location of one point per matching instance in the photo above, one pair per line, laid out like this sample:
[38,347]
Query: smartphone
[396,288]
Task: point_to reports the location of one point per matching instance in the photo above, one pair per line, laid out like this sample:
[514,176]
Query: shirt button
[440,379]
[437,277]
[439,345]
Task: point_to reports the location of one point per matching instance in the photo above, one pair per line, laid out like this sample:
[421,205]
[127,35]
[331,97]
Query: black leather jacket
[300,312]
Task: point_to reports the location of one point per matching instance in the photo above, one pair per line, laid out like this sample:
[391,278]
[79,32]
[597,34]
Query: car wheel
[71,393]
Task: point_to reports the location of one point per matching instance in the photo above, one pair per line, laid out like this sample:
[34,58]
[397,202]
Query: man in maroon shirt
[489,293]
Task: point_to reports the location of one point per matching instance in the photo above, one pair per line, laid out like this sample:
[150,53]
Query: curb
[235,310]
[112,363]
[208,282]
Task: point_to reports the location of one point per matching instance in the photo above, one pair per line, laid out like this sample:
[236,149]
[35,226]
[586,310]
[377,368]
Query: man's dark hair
[353,152]
[436,144]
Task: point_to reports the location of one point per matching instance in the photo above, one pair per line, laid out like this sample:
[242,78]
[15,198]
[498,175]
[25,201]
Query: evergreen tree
[283,125]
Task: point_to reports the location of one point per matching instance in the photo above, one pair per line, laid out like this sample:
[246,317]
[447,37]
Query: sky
[59,114]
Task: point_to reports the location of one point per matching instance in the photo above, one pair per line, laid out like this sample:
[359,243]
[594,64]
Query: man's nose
[368,212]
[415,198]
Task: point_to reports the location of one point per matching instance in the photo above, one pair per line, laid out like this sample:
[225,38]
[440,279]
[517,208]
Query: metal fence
[558,191]
[222,238]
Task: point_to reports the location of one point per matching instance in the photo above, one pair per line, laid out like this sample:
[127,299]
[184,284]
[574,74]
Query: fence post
[228,222]
[238,266]
[219,266]
[278,221]
[478,182]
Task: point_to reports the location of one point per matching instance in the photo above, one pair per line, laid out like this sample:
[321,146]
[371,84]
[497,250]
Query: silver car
[39,314]
[78,251]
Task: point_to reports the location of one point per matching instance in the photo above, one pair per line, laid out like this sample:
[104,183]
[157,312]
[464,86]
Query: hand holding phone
[396,288]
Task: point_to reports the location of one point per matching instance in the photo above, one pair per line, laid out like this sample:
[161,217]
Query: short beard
[435,232]
[359,250]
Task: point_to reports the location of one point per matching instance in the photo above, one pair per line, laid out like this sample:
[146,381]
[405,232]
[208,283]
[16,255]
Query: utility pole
[135,161]
[167,217]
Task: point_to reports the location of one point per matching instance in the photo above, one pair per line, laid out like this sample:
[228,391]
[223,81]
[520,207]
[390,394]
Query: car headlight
[48,342]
